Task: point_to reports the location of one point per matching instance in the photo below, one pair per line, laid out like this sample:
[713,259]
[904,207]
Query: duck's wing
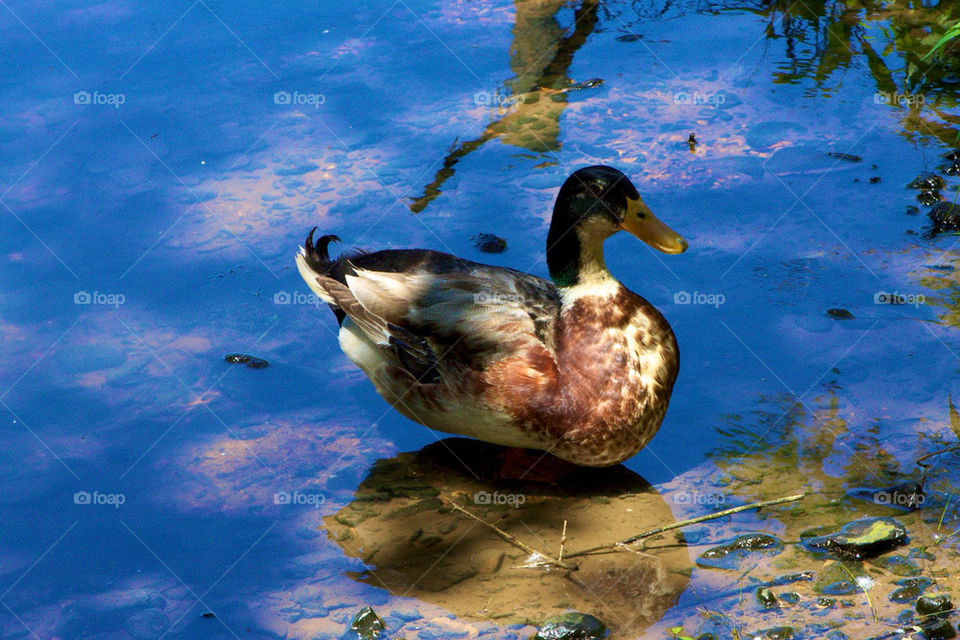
[437,313]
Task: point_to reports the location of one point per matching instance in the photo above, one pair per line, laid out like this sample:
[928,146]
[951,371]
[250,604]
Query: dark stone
[208,614]
[863,538]
[945,216]
[929,605]
[928,198]
[950,168]
[766,598]
[937,629]
[927,182]
[776,633]
[849,157]
[874,179]
[250,361]
[729,556]
[952,156]
[790,578]
[571,626]
[367,625]
[909,589]
[843,314]
[489,243]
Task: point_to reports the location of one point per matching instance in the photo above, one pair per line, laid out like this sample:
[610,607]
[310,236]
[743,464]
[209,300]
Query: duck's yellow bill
[641,222]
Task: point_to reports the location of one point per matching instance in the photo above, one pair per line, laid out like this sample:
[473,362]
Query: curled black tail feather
[317,254]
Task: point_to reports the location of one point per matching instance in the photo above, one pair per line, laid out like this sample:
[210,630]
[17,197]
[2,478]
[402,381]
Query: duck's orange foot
[531,466]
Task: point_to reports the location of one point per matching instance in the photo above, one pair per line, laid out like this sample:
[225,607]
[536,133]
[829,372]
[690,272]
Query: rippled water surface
[162,161]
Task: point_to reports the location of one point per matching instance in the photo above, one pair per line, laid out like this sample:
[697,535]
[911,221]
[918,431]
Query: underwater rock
[849,157]
[250,361]
[950,168]
[151,623]
[730,555]
[837,579]
[898,565]
[909,589]
[790,578]
[570,626]
[774,633]
[937,629]
[912,210]
[928,198]
[863,538]
[953,156]
[945,216]
[927,182]
[766,598]
[367,624]
[875,180]
[843,314]
[489,243]
[929,605]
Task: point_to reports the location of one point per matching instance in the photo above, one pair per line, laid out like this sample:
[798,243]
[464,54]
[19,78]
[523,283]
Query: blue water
[164,161]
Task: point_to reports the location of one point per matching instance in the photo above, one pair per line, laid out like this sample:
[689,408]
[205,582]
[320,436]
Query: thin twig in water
[513,540]
[563,540]
[936,453]
[684,523]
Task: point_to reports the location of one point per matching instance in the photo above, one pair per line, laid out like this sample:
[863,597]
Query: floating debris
[629,37]
[843,314]
[863,538]
[250,361]
[489,243]
[875,180]
[571,626]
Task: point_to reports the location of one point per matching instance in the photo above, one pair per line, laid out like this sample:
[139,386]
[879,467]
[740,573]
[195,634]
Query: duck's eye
[641,214]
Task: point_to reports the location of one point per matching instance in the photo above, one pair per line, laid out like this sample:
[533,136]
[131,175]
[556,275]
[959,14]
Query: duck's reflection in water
[414,544]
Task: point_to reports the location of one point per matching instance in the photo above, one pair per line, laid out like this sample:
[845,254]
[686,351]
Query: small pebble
[843,314]
[250,361]
[489,243]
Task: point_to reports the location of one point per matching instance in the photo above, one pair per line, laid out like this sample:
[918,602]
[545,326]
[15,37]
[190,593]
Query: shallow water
[162,163]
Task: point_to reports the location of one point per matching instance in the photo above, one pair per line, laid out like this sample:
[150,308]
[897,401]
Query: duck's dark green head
[593,204]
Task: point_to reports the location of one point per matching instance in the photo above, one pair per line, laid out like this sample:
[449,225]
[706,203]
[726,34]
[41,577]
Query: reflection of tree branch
[540,106]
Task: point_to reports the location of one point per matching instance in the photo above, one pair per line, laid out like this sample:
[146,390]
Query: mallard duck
[580,367]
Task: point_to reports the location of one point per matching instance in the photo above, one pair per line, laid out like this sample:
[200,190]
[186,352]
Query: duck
[576,365]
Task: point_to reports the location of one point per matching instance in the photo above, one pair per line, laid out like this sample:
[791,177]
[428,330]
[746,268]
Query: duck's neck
[575,258]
